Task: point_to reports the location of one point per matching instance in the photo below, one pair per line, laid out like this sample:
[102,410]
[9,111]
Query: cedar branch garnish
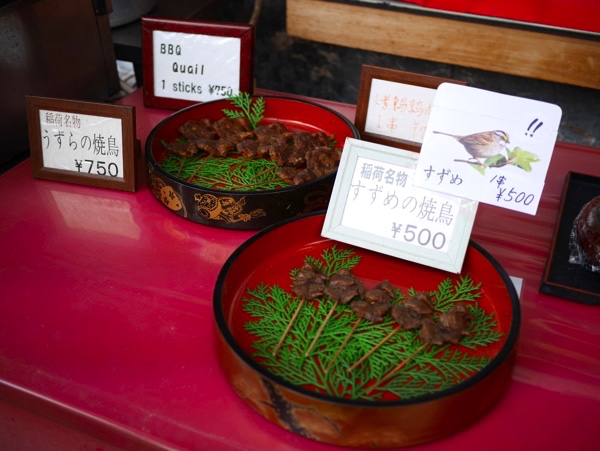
[252,108]
[433,369]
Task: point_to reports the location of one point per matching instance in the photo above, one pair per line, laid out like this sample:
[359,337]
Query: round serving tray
[268,258]
[250,209]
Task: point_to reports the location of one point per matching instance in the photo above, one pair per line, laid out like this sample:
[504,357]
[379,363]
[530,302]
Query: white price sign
[87,143]
[375,205]
[195,67]
[188,61]
[398,110]
[82,143]
[383,201]
[489,147]
[393,106]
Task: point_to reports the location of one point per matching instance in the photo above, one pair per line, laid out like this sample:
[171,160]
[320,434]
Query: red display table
[106,332]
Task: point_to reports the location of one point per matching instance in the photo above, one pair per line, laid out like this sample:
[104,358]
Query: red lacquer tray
[268,258]
[244,210]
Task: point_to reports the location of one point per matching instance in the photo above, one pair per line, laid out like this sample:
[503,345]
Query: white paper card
[375,205]
[489,147]
[384,201]
[399,110]
[195,67]
[82,143]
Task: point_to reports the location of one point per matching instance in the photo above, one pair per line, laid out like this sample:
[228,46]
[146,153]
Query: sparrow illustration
[482,145]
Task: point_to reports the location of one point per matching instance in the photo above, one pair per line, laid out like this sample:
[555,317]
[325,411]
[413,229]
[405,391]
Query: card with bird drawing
[489,147]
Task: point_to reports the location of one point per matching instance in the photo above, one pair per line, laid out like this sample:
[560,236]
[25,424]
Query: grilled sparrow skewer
[482,145]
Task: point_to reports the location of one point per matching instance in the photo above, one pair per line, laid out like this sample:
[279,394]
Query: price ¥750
[97,167]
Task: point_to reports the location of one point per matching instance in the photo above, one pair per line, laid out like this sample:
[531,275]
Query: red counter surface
[106,333]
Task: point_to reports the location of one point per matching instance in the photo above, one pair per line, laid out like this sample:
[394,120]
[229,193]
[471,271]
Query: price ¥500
[419,236]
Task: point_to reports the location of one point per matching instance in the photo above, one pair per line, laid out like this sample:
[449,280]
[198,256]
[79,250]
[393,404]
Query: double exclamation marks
[529,131]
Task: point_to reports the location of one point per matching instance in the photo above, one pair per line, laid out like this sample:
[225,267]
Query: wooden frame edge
[245,32]
[368,74]
[128,133]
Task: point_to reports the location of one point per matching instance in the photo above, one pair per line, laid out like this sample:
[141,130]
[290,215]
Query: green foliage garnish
[252,109]
[226,173]
[435,368]
[447,294]
[334,260]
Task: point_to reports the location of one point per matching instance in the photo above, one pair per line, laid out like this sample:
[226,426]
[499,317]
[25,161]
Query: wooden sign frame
[409,244]
[244,32]
[370,73]
[564,278]
[126,114]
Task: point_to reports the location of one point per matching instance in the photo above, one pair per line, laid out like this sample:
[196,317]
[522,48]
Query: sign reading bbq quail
[190,62]
[195,67]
